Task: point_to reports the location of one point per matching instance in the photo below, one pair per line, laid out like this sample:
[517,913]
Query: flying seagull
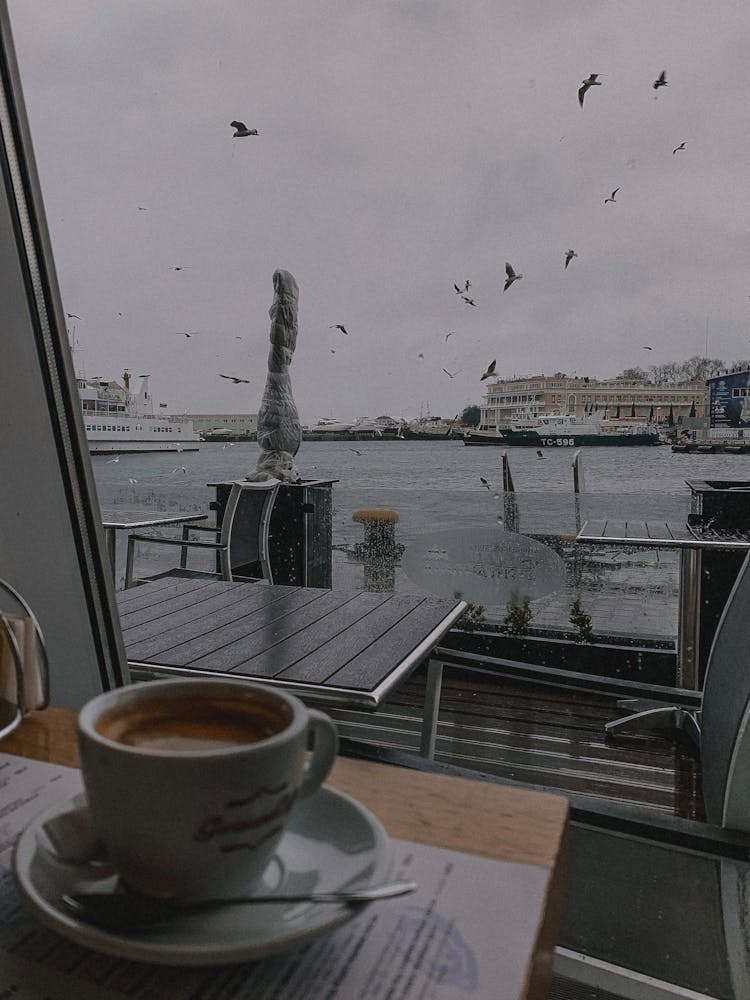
[73,316]
[569,256]
[661,80]
[355,451]
[450,374]
[180,268]
[233,378]
[512,276]
[338,326]
[612,196]
[459,291]
[647,348]
[242,130]
[681,146]
[468,301]
[449,334]
[591,82]
[490,371]
[183,333]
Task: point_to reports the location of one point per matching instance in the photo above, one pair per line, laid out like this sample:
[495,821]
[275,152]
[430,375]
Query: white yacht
[118,421]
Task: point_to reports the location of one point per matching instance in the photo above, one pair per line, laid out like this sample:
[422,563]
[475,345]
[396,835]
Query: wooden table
[339,647]
[116,519]
[493,821]
[690,541]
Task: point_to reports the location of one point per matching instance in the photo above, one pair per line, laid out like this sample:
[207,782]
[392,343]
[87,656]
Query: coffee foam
[192,724]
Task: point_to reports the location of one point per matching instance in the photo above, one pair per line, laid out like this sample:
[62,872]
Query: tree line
[695,369]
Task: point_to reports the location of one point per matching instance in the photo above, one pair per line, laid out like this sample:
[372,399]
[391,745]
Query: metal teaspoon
[121,911]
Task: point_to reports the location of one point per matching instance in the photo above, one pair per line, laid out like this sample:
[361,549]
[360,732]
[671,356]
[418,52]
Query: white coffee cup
[190,783]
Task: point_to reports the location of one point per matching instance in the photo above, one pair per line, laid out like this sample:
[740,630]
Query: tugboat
[564,430]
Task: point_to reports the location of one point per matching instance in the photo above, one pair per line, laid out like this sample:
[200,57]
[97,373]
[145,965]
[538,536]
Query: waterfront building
[231,424]
[510,400]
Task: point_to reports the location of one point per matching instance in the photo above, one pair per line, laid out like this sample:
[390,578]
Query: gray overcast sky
[403,146]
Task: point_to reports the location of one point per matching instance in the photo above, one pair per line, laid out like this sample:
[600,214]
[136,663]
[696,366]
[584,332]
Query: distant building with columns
[521,398]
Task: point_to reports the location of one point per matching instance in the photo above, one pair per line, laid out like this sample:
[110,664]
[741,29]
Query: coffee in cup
[190,783]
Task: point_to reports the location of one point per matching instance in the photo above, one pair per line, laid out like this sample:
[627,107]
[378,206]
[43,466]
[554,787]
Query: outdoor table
[116,519]
[342,647]
[691,541]
[515,825]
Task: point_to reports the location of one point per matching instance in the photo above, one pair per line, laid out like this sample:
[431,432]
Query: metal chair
[241,539]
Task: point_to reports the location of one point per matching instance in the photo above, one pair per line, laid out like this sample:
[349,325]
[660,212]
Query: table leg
[688,622]
[431,708]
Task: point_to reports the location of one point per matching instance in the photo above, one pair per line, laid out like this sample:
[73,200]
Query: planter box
[645,665]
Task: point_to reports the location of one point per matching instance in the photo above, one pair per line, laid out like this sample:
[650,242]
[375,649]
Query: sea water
[434,487]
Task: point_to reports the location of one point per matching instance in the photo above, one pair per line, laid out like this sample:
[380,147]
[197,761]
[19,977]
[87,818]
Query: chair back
[244,530]
[725,714]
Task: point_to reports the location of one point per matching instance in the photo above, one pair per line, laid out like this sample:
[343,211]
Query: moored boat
[561,430]
[117,421]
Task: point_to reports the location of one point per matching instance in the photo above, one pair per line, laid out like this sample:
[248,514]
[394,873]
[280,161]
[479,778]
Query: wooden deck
[549,737]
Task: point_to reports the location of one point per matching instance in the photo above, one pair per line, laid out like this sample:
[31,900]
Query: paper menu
[468,932]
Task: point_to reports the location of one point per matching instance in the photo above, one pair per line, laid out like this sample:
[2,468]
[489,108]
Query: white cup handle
[324,749]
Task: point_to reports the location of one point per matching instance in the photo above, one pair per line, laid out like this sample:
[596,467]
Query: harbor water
[437,487]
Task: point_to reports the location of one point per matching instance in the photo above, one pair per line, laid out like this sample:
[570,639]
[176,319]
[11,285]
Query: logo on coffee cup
[226,824]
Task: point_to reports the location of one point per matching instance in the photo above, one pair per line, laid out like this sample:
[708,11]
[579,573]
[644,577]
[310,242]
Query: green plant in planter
[581,621]
[518,615]
[472,617]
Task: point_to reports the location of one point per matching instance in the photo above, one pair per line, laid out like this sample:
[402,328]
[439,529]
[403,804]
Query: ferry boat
[118,421]
[561,430]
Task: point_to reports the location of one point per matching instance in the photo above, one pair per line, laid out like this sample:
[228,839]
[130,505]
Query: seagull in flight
[338,326]
[681,146]
[647,348]
[569,256]
[179,468]
[468,301]
[115,459]
[661,80]
[591,82]
[185,333]
[242,130]
[451,374]
[233,378]
[612,196]
[490,371]
[511,276]
[73,316]
[450,334]
[181,268]
[356,452]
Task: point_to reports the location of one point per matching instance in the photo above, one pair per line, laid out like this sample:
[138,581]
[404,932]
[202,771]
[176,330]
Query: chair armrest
[558,677]
[156,540]
[199,527]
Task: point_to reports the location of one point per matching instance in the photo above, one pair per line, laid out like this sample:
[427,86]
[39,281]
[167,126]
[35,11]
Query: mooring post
[379,550]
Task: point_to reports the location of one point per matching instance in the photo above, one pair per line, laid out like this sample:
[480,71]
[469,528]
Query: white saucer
[332,842]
